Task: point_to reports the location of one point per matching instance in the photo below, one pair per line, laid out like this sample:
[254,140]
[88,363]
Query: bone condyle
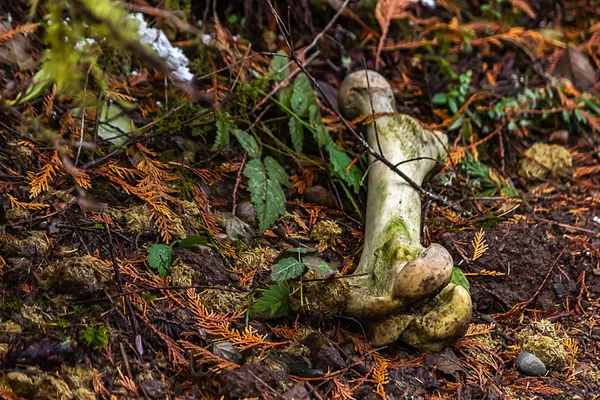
[402,290]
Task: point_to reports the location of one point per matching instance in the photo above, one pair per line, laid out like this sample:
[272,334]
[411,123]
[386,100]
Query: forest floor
[137,260]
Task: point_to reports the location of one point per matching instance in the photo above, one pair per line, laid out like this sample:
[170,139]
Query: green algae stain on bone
[394,247]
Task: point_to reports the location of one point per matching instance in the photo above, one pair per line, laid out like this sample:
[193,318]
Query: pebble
[245,211]
[528,364]
[320,196]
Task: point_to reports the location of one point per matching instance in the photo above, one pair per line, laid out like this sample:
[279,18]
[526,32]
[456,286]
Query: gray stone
[528,364]
[245,211]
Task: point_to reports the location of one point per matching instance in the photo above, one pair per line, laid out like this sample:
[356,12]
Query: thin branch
[361,140]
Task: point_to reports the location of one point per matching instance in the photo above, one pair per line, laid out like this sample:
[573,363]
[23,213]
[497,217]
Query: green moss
[543,159]
[396,227]
[407,132]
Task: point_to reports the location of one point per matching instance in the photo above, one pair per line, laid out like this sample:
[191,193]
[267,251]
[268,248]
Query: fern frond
[523,6]
[479,245]
[203,356]
[14,203]
[21,29]
[41,181]
[380,376]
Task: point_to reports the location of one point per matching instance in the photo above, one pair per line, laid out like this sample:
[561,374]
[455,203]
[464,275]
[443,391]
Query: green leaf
[297,134]
[302,96]
[314,117]
[285,96]
[276,171]
[322,268]
[287,268]
[160,258]
[439,98]
[322,136]
[452,105]
[339,162]
[278,66]
[248,142]
[456,122]
[266,194]
[459,279]
[275,301]
[193,240]
[300,250]
[224,127]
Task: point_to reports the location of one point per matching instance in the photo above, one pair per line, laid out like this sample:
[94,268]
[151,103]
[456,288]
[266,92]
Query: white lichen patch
[173,56]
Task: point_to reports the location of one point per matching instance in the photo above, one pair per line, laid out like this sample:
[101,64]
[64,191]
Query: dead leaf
[576,66]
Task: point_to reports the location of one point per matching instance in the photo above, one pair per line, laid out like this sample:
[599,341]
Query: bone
[397,272]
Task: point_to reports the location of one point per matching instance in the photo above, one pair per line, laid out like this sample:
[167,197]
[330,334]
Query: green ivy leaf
[274,301]
[193,240]
[276,171]
[297,134]
[459,279]
[248,142]
[302,96]
[160,258]
[339,162]
[278,66]
[266,194]
[287,268]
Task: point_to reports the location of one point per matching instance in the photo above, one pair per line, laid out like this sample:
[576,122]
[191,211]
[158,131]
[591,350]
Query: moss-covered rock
[542,160]
[76,275]
[543,340]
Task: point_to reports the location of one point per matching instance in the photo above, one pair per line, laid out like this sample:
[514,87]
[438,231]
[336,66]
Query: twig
[327,27]
[119,281]
[81,134]
[373,109]
[238,178]
[151,289]
[362,141]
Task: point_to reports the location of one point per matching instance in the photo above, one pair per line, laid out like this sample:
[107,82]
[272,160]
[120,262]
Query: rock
[576,66]
[245,211]
[559,137]
[76,276]
[236,228]
[320,196]
[530,365]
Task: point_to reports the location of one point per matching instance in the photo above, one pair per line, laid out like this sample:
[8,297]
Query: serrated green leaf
[302,95]
[274,301]
[339,162]
[248,142]
[287,268]
[279,66]
[439,98]
[322,268]
[266,194]
[322,136]
[297,134]
[160,258]
[459,279]
[285,96]
[314,117]
[223,132]
[193,240]
[276,171]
